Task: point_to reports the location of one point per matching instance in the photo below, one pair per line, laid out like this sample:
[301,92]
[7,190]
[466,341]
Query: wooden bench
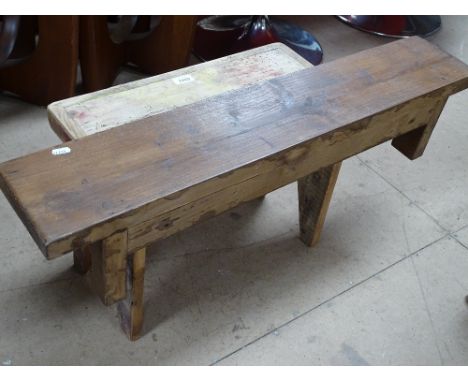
[112,194]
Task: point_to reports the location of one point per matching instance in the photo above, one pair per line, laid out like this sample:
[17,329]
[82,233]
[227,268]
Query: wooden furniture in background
[9,28]
[114,193]
[49,74]
[164,49]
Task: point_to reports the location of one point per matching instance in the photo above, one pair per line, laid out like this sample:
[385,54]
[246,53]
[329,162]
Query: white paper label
[61,151]
[183,79]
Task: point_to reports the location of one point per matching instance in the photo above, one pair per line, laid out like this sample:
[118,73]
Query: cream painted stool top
[87,114]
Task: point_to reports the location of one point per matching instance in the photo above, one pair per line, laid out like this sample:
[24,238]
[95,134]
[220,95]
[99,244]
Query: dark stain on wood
[165,224]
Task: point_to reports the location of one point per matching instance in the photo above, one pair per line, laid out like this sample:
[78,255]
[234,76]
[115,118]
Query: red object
[395,26]
[257,33]
[219,36]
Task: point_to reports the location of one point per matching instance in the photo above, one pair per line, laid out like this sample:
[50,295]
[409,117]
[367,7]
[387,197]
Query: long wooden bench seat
[115,192]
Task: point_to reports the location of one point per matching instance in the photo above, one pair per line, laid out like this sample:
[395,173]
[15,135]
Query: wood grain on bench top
[88,114]
[118,178]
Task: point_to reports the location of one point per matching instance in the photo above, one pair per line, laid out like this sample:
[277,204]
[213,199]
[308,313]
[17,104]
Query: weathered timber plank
[413,143]
[173,159]
[131,308]
[108,268]
[314,194]
[88,114]
[269,174]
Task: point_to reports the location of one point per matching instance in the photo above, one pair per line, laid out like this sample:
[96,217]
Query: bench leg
[131,309]
[413,143]
[82,260]
[315,192]
[108,268]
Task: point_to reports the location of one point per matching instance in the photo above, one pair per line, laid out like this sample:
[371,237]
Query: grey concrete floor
[385,285]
